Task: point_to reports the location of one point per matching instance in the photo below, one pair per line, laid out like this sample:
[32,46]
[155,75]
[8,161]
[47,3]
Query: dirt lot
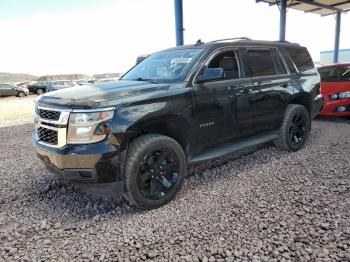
[16,110]
[264,206]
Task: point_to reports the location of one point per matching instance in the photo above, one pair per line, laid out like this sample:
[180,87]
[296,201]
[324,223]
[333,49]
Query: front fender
[126,117]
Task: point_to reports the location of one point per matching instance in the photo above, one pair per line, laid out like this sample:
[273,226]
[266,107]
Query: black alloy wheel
[158,174]
[297,129]
[155,168]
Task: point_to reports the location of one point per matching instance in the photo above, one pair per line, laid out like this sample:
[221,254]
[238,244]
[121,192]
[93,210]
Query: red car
[335,89]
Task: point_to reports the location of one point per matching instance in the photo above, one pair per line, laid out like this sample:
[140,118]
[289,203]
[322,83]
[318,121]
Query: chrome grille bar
[52,124]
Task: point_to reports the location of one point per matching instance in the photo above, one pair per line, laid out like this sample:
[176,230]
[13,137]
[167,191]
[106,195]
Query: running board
[234,147]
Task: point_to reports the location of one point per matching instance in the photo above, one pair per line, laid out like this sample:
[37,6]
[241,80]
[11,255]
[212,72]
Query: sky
[43,37]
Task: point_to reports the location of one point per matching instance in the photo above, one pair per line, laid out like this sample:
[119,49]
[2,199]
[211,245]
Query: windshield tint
[163,67]
[335,73]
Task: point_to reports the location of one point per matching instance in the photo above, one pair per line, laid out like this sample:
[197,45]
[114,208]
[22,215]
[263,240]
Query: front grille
[48,136]
[48,114]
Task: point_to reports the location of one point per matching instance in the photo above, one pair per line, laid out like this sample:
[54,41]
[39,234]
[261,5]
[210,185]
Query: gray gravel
[264,206]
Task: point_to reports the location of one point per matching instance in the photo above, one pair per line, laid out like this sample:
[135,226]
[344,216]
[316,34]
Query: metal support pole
[283,10]
[337,37]
[179,22]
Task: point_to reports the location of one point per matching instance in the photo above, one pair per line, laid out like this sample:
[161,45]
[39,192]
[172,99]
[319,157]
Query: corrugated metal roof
[321,7]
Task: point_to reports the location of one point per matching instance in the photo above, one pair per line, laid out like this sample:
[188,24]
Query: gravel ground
[16,110]
[264,206]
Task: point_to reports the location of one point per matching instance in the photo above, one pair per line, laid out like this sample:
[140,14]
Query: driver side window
[226,60]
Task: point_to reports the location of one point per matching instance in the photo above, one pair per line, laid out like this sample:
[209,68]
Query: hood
[328,88]
[100,95]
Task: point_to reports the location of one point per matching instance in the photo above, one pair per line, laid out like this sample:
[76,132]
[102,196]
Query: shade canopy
[321,7]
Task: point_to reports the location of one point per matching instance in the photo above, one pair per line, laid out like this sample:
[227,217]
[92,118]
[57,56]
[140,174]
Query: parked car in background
[92,81]
[83,82]
[23,84]
[57,85]
[103,80]
[134,137]
[12,90]
[38,88]
[335,88]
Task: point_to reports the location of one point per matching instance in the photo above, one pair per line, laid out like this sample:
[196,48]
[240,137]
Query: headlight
[82,126]
[334,96]
[343,95]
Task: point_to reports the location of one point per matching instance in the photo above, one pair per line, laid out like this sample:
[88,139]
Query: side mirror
[210,74]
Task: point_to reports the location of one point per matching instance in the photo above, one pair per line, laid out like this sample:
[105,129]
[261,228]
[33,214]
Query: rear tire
[155,168]
[21,94]
[40,91]
[295,128]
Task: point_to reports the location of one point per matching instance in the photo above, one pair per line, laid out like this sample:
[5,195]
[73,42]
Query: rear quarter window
[301,58]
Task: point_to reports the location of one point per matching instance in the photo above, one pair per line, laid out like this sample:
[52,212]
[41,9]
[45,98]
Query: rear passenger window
[260,63]
[300,57]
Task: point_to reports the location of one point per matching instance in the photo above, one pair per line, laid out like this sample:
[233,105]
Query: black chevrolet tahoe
[134,137]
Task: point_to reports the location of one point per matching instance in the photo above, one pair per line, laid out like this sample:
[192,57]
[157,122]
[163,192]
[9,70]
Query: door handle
[285,85]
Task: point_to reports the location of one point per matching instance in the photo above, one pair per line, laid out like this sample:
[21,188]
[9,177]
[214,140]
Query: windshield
[164,67]
[335,73]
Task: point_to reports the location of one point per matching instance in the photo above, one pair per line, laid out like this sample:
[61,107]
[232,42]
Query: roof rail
[234,38]
[287,42]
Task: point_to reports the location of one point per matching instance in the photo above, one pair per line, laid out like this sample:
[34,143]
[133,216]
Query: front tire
[295,128]
[40,91]
[21,94]
[155,168]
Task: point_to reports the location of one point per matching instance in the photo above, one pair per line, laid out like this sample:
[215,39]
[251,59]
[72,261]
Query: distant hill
[63,77]
[9,77]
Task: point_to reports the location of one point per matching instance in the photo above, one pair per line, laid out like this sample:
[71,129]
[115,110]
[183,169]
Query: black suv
[134,137]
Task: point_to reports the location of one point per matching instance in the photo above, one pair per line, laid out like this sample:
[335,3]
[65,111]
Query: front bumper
[96,167]
[330,107]
[317,106]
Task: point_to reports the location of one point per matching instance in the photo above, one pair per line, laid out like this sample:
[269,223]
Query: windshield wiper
[145,80]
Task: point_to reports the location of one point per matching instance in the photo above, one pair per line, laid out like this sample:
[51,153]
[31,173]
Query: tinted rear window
[260,63]
[301,58]
[335,74]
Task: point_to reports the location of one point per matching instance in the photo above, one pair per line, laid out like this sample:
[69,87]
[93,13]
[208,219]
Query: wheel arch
[303,99]
[171,126]
[133,121]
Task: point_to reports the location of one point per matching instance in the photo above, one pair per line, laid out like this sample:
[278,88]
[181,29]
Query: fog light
[341,109]
[334,96]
